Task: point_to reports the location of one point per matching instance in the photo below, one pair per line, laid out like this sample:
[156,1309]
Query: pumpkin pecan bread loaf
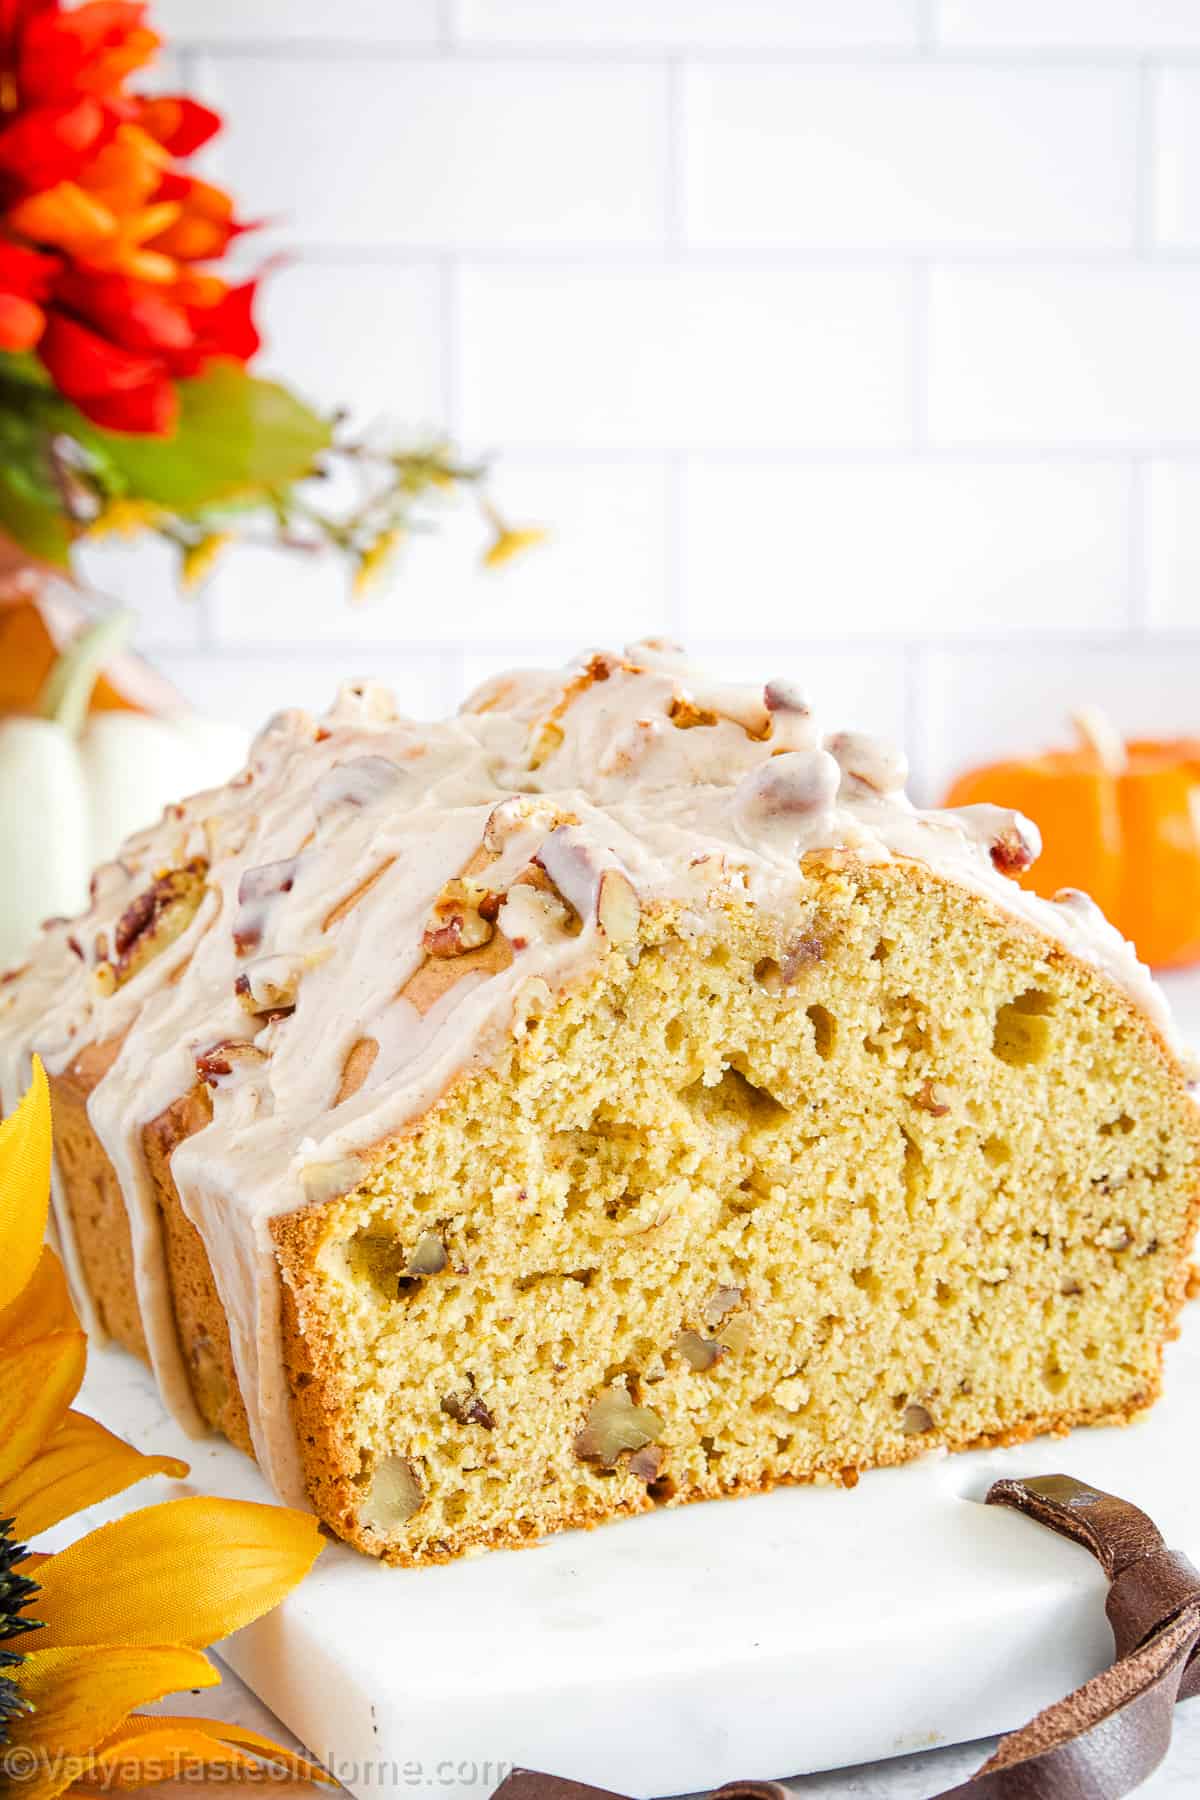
[616,1096]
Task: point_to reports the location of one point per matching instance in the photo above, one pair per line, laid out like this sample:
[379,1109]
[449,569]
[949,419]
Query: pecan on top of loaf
[376,904]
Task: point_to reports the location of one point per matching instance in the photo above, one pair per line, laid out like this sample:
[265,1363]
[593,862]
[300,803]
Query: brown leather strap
[1103,1740]
[1107,1737]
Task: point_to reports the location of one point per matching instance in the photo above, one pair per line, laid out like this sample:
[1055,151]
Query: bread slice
[781,1154]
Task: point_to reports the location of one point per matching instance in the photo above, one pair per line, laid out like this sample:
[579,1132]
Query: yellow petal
[79,1466]
[140,1757]
[511,541]
[37,1385]
[24,1186]
[43,1306]
[191,1570]
[82,1695]
[245,1739]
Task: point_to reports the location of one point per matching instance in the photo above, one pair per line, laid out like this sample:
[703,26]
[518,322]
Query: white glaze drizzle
[637,770]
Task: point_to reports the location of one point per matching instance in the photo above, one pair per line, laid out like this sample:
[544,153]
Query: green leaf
[38,526]
[23,367]
[237,435]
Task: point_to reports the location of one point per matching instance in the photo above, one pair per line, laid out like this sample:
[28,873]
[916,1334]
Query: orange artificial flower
[90,176]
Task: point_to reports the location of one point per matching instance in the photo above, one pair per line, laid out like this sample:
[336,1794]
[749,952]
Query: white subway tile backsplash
[1176,175]
[692,357]
[857,340]
[953,548]
[978,705]
[366,336]
[143,575]
[424,152]
[913,157]
[680,24]
[600,575]
[249,690]
[1068,24]
[298,21]
[1064,356]
[263,596]
[1172,538]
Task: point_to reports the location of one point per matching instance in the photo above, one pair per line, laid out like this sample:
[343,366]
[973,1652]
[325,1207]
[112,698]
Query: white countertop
[901,1778]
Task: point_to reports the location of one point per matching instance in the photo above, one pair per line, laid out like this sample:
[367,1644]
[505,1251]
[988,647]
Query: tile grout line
[915,716]
[919,353]
[996,645]
[1145,158]
[675,561]
[674,237]
[629,259]
[450,321]
[849,457]
[869,57]
[675,160]
[1139,547]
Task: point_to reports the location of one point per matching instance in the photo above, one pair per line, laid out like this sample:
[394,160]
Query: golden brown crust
[98,1215]
[319,1397]
[200,1321]
[521,1536]
[100,1222]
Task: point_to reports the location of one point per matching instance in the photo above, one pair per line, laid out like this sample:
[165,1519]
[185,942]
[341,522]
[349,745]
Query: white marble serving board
[801,1630]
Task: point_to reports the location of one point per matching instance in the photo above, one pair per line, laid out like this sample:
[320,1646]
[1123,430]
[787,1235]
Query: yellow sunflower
[120,1617]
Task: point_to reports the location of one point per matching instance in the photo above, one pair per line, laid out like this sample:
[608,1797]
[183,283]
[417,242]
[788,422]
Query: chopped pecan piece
[618,910]
[647,1464]
[724,1300]
[156,918]
[868,762]
[700,1352]
[429,1255]
[223,1058]
[933,1099]
[615,1424]
[1013,852]
[267,989]
[686,715]
[463,918]
[354,784]
[394,1495]
[468,1410]
[256,890]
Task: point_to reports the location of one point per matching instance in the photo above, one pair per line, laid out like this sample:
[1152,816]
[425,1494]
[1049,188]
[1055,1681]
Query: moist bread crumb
[764,1185]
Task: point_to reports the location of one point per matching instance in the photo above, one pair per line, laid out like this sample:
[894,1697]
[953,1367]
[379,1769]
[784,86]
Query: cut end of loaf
[748,1209]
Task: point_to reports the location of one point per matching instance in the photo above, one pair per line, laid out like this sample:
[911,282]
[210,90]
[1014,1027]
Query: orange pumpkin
[1120,820]
[39,616]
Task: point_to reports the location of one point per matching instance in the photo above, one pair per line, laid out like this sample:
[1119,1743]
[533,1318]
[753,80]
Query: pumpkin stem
[67,691]
[1097,733]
